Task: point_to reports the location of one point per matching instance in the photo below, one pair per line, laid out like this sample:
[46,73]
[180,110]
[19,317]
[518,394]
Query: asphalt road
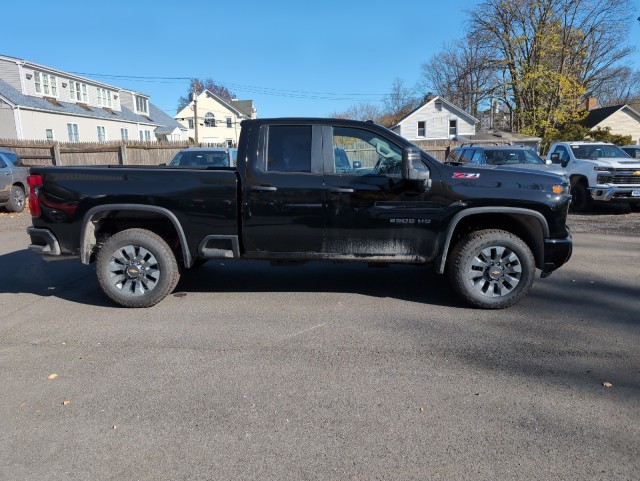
[321,372]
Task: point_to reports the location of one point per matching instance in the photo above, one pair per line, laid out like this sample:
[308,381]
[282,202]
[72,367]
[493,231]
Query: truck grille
[626,177]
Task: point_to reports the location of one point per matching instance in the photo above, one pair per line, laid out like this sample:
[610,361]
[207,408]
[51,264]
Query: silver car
[13,181]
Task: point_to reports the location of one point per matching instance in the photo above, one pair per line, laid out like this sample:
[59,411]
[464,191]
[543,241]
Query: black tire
[580,198]
[16,199]
[491,269]
[136,268]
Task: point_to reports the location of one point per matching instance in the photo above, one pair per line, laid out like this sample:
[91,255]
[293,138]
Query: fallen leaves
[51,377]
[607,384]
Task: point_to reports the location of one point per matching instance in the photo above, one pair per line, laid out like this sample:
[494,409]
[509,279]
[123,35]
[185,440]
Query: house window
[104,97]
[78,91]
[453,127]
[190,121]
[124,134]
[49,134]
[228,122]
[209,120]
[72,130]
[229,143]
[421,129]
[145,135]
[102,133]
[438,106]
[142,105]
[46,84]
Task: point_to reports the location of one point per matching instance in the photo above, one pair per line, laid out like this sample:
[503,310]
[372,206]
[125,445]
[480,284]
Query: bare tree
[463,73]
[398,103]
[363,111]
[620,87]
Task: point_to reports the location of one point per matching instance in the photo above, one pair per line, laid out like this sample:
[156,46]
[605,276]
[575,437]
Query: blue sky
[293,58]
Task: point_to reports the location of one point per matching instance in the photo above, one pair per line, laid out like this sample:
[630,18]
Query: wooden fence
[133,152]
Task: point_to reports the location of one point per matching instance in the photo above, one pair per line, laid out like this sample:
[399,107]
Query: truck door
[284,193]
[372,212]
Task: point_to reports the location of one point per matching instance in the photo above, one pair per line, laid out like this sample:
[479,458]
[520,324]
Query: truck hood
[619,162]
[530,168]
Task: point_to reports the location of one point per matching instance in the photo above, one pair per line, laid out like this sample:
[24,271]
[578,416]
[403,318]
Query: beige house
[621,119]
[218,120]
[43,103]
[436,119]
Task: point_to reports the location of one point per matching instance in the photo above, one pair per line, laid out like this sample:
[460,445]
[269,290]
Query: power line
[301,94]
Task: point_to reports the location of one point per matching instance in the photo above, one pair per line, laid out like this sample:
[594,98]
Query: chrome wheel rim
[495,271]
[134,270]
[18,198]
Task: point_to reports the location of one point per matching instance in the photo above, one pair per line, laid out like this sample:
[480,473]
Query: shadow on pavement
[26,272]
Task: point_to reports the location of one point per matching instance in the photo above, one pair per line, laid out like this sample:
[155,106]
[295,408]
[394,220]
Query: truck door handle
[337,190]
[263,188]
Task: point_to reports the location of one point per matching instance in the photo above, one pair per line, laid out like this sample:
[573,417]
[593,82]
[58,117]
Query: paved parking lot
[322,372]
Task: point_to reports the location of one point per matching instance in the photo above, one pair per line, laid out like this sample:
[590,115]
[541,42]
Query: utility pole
[194,96]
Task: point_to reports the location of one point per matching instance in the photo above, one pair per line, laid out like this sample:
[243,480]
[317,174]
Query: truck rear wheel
[136,268]
[16,199]
[491,269]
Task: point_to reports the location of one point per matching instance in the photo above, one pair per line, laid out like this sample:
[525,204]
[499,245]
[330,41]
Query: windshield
[597,151]
[512,156]
[12,158]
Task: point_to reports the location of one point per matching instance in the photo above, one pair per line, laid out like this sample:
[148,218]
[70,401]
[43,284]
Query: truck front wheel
[491,269]
[580,197]
[136,268]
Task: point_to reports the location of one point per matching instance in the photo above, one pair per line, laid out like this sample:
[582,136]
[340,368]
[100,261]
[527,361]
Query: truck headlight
[560,189]
[604,178]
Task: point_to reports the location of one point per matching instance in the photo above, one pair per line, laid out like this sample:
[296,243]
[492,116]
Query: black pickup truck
[302,190]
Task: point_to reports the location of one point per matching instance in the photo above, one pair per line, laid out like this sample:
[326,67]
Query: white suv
[598,171]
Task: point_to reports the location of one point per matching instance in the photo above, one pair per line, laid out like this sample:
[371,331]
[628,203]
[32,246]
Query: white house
[621,119]
[436,119]
[43,103]
[218,120]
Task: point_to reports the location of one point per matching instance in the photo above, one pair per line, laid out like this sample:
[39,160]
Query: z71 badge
[464,175]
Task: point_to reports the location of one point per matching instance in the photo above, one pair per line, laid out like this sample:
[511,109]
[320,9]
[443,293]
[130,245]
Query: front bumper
[556,253]
[613,194]
[43,241]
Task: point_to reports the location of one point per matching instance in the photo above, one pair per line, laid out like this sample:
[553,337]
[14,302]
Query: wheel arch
[529,225]
[92,220]
[577,178]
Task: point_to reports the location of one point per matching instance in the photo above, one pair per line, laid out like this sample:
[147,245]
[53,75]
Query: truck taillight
[35,182]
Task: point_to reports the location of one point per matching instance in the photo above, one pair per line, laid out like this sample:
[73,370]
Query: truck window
[361,149]
[562,152]
[289,148]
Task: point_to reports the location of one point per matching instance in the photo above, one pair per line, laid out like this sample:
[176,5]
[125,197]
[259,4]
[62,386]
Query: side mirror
[411,156]
[555,158]
[357,164]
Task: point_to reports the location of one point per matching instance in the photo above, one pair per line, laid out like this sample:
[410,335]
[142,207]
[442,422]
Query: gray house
[437,119]
[42,103]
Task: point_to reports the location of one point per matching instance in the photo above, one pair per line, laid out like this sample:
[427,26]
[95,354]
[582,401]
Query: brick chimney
[591,103]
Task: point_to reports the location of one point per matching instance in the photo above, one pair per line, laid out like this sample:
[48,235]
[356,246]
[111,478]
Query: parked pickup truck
[598,171]
[487,229]
[13,181]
